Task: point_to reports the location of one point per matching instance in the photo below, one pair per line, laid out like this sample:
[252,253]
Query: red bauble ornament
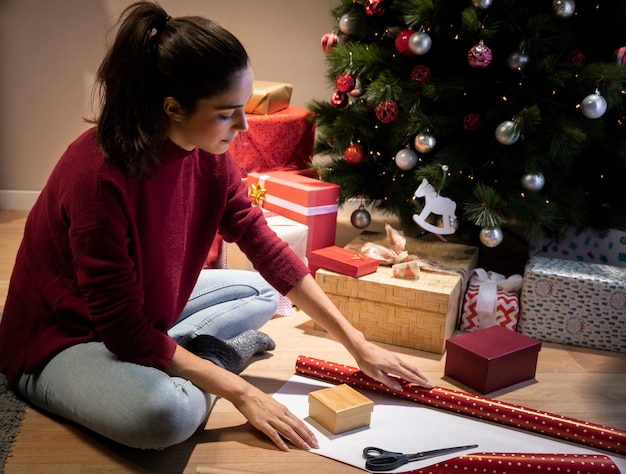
[375,7]
[329,40]
[421,74]
[402,42]
[387,111]
[339,99]
[620,56]
[354,154]
[345,82]
[472,122]
[575,57]
[479,56]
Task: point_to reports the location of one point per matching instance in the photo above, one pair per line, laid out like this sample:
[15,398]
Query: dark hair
[152,57]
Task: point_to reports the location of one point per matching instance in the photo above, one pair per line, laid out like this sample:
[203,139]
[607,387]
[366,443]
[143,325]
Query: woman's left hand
[384,366]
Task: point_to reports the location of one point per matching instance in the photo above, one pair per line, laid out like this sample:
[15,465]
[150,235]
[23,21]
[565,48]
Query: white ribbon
[297,208]
[488,285]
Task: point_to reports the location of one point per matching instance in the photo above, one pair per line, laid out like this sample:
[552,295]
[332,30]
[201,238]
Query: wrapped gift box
[420,314]
[280,141]
[490,299]
[577,303]
[303,199]
[591,246]
[491,359]
[340,408]
[268,97]
[292,232]
[342,261]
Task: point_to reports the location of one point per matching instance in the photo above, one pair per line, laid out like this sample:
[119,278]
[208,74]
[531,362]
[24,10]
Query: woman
[110,321]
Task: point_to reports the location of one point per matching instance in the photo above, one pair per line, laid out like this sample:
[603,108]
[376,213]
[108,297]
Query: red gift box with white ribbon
[302,199]
[491,299]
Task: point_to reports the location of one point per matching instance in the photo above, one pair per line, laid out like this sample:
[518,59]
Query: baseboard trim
[17,199]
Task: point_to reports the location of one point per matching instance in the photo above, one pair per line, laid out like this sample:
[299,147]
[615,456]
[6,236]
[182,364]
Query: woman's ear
[173,109]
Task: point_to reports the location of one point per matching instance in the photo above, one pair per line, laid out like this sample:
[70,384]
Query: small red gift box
[344,261]
[302,199]
[491,359]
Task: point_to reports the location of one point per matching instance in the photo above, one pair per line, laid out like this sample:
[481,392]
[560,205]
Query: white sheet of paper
[409,427]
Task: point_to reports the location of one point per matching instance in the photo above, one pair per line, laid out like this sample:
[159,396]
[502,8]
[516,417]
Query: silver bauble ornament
[564,8]
[533,182]
[348,24]
[507,133]
[360,218]
[593,106]
[406,159]
[491,237]
[425,142]
[420,43]
[517,61]
[482,3]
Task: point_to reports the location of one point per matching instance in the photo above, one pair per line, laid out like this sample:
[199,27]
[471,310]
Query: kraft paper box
[300,198]
[268,97]
[491,359]
[419,314]
[577,303]
[343,261]
[340,408]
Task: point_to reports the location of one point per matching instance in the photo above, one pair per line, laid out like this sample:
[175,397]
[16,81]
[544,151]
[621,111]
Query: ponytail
[154,56]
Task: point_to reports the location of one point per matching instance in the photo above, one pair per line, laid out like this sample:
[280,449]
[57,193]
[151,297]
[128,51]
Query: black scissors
[381,460]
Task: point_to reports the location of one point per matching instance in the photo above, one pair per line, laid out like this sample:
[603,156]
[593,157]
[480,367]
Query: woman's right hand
[274,419]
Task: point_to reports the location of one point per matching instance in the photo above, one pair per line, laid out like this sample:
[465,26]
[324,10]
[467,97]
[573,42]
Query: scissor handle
[381,460]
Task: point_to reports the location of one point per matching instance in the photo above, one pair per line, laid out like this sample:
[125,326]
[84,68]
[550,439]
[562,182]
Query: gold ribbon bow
[257,193]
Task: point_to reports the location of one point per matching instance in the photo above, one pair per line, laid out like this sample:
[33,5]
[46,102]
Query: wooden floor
[580,383]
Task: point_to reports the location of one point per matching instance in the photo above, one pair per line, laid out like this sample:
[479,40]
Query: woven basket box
[419,314]
[577,303]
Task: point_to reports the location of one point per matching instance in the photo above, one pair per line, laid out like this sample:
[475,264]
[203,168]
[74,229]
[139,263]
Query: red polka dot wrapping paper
[476,406]
[522,463]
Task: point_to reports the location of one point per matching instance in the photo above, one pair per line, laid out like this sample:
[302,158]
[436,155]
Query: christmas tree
[512,111]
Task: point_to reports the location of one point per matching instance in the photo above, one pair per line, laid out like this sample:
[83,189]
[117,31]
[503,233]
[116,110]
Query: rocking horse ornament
[438,205]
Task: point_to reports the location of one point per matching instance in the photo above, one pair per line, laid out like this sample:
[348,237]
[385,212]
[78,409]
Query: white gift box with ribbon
[491,299]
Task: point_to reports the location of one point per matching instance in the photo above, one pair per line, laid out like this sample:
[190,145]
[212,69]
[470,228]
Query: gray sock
[232,354]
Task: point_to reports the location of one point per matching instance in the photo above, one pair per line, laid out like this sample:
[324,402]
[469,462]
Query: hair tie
[167,18]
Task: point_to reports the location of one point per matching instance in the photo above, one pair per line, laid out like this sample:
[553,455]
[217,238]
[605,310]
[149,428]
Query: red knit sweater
[106,257]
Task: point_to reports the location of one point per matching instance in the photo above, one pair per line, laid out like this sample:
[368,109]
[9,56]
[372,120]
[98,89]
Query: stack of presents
[430,295]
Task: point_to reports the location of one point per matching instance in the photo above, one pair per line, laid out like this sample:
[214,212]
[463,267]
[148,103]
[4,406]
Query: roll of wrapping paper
[520,463]
[569,429]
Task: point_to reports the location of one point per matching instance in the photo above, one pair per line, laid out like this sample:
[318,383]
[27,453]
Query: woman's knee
[169,416]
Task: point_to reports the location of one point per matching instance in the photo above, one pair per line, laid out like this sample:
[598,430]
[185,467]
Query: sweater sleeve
[245,224]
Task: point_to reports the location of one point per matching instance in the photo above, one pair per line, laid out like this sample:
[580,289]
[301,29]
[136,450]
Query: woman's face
[216,121]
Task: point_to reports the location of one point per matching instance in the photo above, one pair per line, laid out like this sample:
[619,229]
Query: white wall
[51,49]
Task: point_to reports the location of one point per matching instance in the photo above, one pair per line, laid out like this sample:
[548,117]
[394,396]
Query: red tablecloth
[279,141]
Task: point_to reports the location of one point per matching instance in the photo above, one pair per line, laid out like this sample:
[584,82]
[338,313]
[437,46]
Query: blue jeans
[140,406]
